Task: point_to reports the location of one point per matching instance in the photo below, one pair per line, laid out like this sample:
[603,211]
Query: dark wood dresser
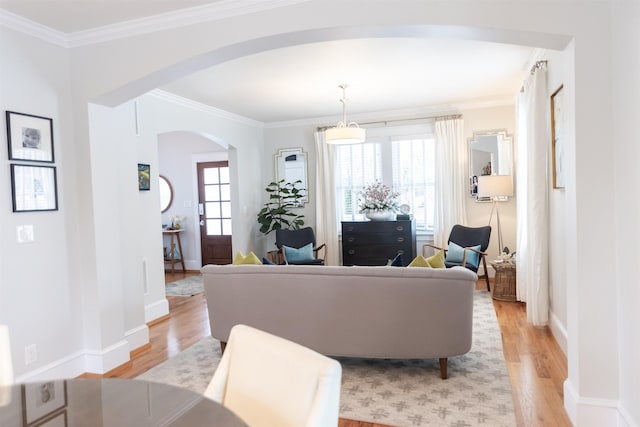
[376,242]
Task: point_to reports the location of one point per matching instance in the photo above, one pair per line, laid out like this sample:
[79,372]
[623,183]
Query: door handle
[202,223]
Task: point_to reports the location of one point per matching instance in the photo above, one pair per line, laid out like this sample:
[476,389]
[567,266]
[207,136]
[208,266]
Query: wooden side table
[504,286]
[170,257]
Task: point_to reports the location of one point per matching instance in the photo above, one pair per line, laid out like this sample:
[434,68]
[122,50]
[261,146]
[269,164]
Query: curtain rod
[537,65]
[386,122]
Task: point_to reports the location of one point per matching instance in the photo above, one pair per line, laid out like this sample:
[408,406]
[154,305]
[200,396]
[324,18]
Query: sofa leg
[223,345]
[443,368]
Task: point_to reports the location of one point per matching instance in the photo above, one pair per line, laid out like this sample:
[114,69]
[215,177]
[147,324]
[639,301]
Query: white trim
[215,11]
[559,332]
[137,337]
[101,361]
[589,412]
[33,29]
[156,310]
[204,108]
[69,366]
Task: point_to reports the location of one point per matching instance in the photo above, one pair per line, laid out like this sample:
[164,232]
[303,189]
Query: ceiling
[296,83]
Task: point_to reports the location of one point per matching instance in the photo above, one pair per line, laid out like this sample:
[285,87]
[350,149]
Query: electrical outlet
[24,233]
[30,354]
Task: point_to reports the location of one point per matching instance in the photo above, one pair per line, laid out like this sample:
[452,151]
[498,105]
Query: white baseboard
[80,362]
[156,310]
[101,361]
[559,332]
[587,412]
[137,337]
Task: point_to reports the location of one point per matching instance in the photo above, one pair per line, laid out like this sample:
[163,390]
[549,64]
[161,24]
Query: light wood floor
[537,366]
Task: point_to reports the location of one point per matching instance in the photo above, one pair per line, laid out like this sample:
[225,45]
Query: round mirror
[166,193]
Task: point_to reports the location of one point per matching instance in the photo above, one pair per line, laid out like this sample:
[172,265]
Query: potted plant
[277,212]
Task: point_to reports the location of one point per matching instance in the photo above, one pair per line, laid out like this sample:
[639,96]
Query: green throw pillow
[250,258]
[302,254]
[437,260]
[419,261]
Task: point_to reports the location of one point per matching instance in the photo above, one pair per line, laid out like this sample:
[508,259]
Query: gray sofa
[370,312]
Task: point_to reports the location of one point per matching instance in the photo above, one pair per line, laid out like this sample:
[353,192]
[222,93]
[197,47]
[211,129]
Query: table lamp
[498,188]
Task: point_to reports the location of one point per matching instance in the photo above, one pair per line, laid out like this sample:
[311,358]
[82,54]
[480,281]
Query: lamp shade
[344,135]
[495,186]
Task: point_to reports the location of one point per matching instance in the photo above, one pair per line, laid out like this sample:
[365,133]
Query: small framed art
[144,177]
[34,188]
[41,400]
[29,137]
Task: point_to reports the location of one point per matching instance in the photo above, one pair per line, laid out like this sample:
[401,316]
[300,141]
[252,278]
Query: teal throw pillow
[456,252]
[305,253]
[473,258]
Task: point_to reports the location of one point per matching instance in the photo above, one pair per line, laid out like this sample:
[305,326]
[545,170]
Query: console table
[170,257]
[376,242]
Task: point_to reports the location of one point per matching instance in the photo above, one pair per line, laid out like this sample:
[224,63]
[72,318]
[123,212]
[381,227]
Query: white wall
[625,137]
[600,341]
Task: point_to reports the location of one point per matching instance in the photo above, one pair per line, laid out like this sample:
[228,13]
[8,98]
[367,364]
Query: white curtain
[532,201]
[451,186]
[326,223]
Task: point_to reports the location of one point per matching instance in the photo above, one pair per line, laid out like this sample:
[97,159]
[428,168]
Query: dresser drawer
[369,238]
[377,227]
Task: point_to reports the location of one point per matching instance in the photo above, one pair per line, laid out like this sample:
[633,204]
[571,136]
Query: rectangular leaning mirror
[291,165]
[490,153]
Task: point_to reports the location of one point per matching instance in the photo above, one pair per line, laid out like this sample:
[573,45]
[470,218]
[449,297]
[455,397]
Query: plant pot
[380,215]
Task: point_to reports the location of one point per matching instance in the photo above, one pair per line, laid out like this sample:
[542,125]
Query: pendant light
[345,132]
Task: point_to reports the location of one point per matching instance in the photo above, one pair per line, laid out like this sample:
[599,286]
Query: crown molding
[204,108]
[216,11]
[33,29]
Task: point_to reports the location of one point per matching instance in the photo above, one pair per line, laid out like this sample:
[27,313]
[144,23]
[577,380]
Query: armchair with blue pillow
[299,247]
[467,247]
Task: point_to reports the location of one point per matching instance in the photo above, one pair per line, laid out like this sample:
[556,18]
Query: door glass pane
[226,209]
[226,227]
[224,175]
[213,227]
[225,192]
[211,193]
[212,210]
[211,176]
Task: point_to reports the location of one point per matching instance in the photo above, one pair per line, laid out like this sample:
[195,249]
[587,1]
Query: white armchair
[270,381]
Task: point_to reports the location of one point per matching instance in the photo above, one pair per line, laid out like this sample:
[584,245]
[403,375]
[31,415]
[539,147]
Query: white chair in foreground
[6,369]
[270,381]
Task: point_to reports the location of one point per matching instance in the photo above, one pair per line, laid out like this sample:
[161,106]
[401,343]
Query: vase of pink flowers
[378,202]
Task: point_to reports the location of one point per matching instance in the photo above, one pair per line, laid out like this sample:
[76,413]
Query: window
[396,157]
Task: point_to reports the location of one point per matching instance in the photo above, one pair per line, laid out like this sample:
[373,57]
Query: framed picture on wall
[144,177]
[557,137]
[29,137]
[34,188]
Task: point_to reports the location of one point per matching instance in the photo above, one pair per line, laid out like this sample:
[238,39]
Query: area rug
[186,287]
[396,392]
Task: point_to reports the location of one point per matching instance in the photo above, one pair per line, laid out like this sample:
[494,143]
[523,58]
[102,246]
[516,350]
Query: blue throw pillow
[473,258]
[303,254]
[456,252]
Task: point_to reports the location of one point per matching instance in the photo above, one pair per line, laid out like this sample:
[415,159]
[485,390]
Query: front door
[214,198]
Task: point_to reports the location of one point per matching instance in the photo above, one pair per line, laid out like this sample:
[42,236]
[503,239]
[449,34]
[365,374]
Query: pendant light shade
[345,132]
